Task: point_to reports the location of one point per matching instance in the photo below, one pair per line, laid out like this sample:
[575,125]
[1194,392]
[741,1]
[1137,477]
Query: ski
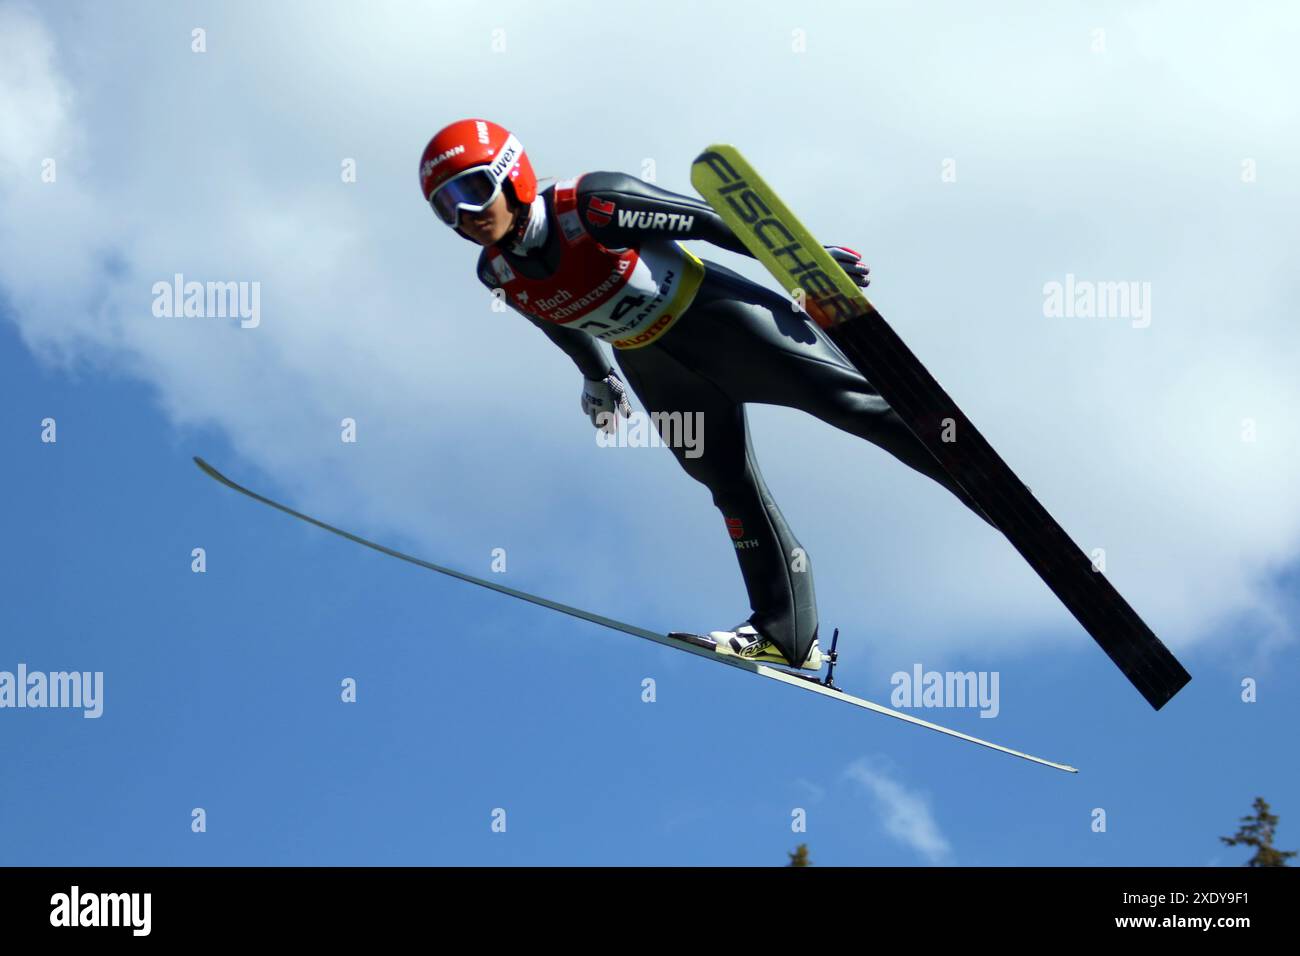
[794,257]
[701,647]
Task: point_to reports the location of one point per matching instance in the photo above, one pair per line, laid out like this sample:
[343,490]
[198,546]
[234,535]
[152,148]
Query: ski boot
[745,642]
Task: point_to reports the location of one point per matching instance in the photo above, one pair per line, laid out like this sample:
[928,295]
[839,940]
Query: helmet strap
[521,210]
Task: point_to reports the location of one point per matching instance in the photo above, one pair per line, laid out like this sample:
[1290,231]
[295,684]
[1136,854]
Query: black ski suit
[738,342]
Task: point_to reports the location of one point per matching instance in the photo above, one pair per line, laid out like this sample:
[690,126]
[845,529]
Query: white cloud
[225,165]
[904,814]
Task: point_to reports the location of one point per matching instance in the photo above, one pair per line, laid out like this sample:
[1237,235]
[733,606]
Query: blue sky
[222,688]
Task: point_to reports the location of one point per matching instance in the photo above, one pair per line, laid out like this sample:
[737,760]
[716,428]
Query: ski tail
[1139,654]
[795,259]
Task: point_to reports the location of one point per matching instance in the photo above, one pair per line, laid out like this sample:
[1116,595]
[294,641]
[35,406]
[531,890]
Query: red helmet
[466,164]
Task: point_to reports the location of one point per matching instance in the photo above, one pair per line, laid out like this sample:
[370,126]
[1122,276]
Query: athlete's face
[491,224]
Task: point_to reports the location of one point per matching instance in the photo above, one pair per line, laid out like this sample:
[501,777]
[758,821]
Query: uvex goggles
[472,191]
[477,188]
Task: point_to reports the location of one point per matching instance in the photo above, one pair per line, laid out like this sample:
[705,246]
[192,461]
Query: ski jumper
[599,260]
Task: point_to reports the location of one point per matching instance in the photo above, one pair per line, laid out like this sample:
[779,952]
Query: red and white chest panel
[626,297]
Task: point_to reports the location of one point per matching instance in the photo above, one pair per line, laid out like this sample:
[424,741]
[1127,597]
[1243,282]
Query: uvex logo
[504,161]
